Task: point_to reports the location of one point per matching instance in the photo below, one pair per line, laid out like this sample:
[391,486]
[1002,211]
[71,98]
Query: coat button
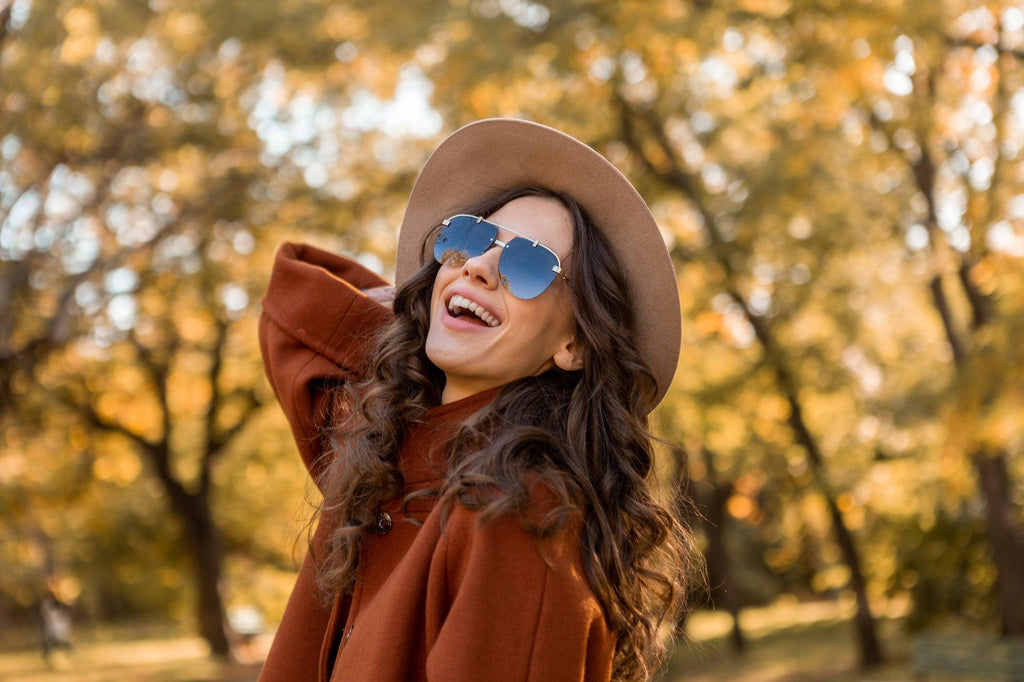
[384,523]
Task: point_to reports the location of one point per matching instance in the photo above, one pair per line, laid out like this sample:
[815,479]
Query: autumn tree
[152,157]
[946,116]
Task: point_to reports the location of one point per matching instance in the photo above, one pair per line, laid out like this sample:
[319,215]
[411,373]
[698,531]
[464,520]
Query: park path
[156,660]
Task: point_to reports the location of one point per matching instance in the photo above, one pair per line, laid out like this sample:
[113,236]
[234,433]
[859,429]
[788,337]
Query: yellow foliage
[158,116]
[835,577]
[337,74]
[51,95]
[170,577]
[78,437]
[459,31]
[11,467]
[80,20]
[69,588]
[77,48]
[341,22]
[186,31]
[707,323]
[740,507]
[814,512]
[30,553]
[781,558]
[120,468]
[80,141]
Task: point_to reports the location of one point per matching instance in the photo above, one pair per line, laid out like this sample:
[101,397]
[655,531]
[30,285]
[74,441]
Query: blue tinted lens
[463,237]
[526,270]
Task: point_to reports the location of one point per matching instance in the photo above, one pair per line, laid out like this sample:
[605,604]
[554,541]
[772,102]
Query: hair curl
[584,434]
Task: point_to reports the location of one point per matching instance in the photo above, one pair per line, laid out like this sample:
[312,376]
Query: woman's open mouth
[462,307]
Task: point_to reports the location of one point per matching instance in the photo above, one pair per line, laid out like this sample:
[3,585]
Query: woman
[481,441]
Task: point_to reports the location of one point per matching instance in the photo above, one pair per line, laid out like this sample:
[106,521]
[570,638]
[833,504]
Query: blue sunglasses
[526,266]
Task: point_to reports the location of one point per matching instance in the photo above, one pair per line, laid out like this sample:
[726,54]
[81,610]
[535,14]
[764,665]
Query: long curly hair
[582,433]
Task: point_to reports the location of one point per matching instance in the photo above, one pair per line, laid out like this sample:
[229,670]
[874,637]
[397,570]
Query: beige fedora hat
[493,155]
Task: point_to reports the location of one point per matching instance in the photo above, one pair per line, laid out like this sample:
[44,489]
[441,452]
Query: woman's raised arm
[317,331]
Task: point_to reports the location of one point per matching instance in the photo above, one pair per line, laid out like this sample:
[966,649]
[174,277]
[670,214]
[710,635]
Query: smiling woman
[504,337]
[481,442]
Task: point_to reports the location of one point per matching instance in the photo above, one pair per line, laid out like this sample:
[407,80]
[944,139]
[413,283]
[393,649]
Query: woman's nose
[484,268]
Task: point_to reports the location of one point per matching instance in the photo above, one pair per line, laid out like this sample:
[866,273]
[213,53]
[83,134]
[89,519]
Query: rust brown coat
[470,602]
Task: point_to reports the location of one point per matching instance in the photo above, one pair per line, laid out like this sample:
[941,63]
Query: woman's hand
[382,295]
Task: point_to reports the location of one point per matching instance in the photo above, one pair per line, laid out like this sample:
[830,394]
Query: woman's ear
[566,358]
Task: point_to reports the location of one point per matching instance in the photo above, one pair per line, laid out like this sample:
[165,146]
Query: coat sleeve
[316,332]
[518,609]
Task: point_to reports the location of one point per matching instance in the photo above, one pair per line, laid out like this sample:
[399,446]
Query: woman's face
[519,338]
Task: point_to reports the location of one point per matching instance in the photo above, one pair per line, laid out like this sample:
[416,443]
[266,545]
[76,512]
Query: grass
[115,655]
[786,643]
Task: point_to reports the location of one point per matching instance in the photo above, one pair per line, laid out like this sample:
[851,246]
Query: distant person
[247,623]
[55,623]
[480,436]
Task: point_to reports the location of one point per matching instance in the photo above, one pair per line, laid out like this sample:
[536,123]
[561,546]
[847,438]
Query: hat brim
[493,155]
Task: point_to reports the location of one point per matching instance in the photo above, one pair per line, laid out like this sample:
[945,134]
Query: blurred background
[840,186]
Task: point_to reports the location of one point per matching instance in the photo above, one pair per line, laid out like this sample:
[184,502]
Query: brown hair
[584,434]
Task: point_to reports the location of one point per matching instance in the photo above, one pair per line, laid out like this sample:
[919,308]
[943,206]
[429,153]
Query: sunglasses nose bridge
[484,266]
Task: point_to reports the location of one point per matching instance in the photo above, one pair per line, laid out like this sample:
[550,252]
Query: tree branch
[157,369]
[923,170]
[5,23]
[968,43]
[85,408]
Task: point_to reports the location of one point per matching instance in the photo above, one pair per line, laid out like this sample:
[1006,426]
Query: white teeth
[456,302]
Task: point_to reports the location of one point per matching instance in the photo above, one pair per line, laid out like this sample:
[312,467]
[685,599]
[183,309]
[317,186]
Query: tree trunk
[1004,537]
[204,543]
[867,637]
[864,621]
[723,592]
